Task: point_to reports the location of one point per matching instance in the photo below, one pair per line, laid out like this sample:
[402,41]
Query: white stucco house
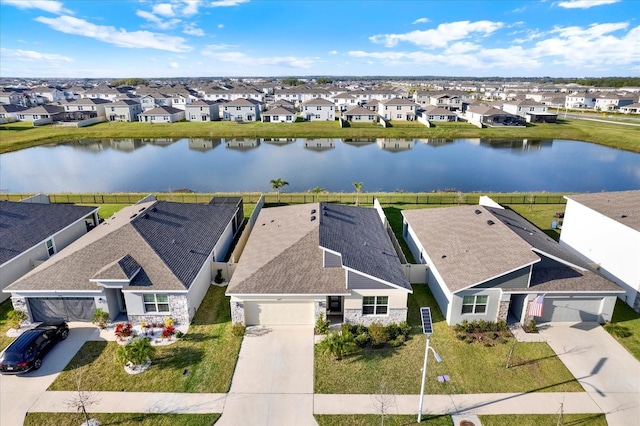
[240,110]
[279,114]
[162,114]
[305,260]
[202,111]
[123,110]
[149,261]
[318,109]
[34,230]
[530,110]
[604,229]
[489,263]
[397,109]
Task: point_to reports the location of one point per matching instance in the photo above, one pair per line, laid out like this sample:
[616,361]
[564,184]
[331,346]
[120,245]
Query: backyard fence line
[385,198]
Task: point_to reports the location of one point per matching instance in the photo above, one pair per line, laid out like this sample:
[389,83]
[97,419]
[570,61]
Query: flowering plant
[167,332]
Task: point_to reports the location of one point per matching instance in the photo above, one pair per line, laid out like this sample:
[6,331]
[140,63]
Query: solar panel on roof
[427,327]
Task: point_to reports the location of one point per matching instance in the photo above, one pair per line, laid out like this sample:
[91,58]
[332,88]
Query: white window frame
[51,247]
[476,304]
[155,303]
[380,303]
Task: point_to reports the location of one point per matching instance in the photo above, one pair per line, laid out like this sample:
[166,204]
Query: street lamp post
[427,329]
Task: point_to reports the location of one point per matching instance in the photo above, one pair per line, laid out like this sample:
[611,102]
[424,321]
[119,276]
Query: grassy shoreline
[17,136]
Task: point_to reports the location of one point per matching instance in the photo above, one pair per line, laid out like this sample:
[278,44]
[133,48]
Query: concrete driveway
[606,371]
[273,380]
[18,393]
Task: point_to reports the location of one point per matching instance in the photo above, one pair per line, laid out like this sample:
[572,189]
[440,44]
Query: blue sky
[191,38]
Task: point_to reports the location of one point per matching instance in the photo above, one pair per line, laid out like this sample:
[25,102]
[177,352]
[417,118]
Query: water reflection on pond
[248,164]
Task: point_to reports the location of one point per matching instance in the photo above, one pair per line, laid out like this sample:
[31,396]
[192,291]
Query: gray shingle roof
[358,234]
[465,248]
[565,279]
[170,241]
[23,225]
[124,268]
[161,110]
[621,206]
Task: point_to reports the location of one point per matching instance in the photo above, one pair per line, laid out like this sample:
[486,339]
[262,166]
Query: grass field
[208,351]
[502,420]
[5,307]
[15,136]
[121,419]
[625,327]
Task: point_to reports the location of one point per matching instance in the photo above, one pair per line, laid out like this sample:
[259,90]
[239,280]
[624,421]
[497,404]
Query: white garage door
[279,313]
[573,309]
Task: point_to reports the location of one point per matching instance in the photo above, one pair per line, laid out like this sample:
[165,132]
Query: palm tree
[338,344]
[358,187]
[277,184]
[136,352]
[316,191]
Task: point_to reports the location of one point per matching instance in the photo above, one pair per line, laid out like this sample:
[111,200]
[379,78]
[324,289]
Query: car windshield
[10,357]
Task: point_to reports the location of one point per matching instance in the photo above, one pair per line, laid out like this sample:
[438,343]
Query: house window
[288,118]
[399,107]
[156,302]
[318,116]
[51,248]
[238,108]
[398,115]
[375,305]
[276,118]
[474,304]
[319,108]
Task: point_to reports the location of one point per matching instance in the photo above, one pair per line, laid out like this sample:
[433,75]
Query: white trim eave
[299,295]
[557,259]
[539,291]
[337,253]
[129,290]
[493,278]
[51,291]
[50,237]
[377,279]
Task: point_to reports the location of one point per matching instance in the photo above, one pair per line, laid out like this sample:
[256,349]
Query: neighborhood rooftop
[621,206]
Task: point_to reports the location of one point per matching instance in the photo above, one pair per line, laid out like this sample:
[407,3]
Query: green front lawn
[625,327]
[541,215]
[376,420]
[121,419]
[202,361]
[473,368]
[544,420]
[5,308]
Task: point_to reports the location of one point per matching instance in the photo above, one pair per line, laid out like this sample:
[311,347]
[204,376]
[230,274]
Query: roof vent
[146,215]
[490,222]
[444,256]
[325,213]
[623,216]
[313,218]
[133,215]
[477,211]
[142,209]
[313,211]
[153,209]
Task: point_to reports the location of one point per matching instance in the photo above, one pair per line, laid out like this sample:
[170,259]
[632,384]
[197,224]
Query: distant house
[279,115]
[631,109]
[123,110]
[9,112]
[101,92]
[489,263]
[149,261]
[49,94]
[337,260]
[530,110]
[161,115]
[446,100]
[345,101]
[612,101]
[604,229]
[397,109]
[9,96]
[43,114]
[580,100]
[231,93]
[360,115]
[32,231]
[241,110]
[85,108]
[202,111]
[153,100]
[434,113]
[300,94]
[319,109]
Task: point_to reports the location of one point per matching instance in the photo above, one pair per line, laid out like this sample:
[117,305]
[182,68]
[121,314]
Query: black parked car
[26,352]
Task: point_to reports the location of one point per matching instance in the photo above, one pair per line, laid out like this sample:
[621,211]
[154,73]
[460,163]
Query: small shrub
[16,318]
[218,278]
[179,334]
[530,327]
[101,318]
[338,344]
[136,352]
[238,329]
[349,328]
[492,335]
[167,332]
[123,330]
[322,325]
[461,336]
[362,340]
[379,336]
[393,331]
[360,329]
[405,329]
[617,330]
[168,322]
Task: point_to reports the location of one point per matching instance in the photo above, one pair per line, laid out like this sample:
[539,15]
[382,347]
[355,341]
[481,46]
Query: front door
[335,305]
[123,306]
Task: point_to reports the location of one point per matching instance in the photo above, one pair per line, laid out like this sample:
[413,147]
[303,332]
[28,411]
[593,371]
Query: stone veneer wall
[354,316]
[20,304]
[237,312]
[319,308]
[503,310]
[178,308]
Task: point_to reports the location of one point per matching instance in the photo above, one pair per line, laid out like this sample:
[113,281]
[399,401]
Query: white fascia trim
[337,253]
[154,291]
[52,291]
[48,238]
[585,293]
[299,295]
[493,278]
[557,259]
[376,279]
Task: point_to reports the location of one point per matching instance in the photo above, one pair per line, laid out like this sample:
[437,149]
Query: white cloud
[159,23]
[421,21]
[190,7]
[163,9]
[584,4]
[32,56]
[46,5]
[194,31]
[217,52]
[227,3]
[441,36]
[220,26]
[333,52]
[174,65]
[116,36]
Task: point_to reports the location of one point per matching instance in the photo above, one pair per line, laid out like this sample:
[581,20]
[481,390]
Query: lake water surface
[412,165]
